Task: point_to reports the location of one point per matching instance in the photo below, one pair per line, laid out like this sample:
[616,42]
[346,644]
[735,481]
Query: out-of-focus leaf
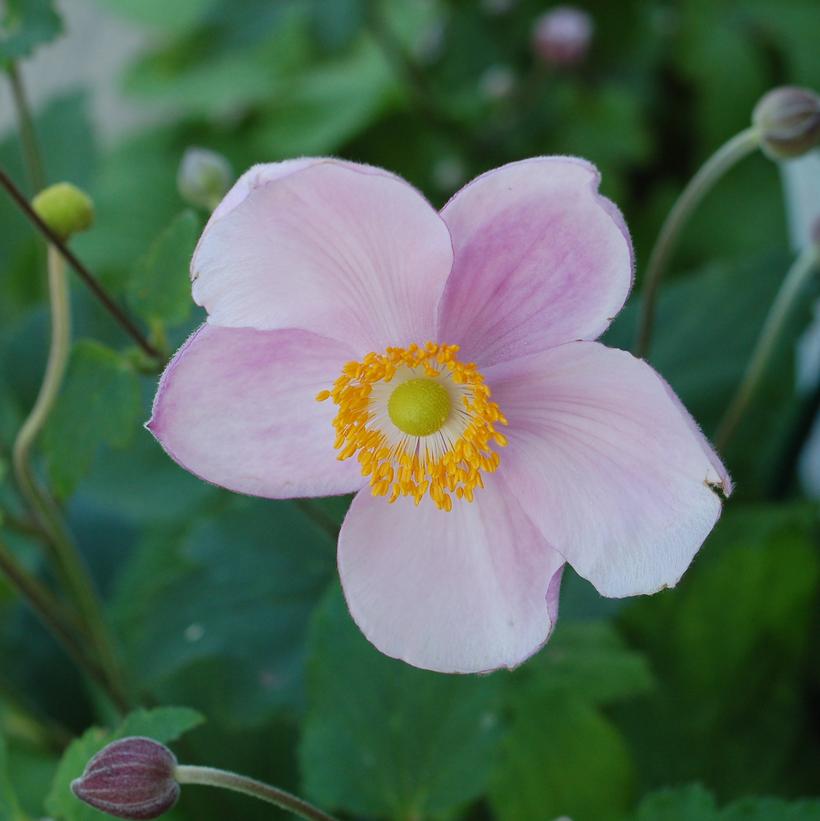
[729,647]
[694,803]
[337,22]
[159,288]
[217,610]
[588,660]
[26,24]
[164,724]
[9,808]
[99,403]
[173,17]
[382,738]
[561,757]
[319,108]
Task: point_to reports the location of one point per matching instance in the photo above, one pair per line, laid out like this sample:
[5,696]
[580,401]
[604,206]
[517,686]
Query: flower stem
[728,155]
[795,280]
[50,611]
[210,777]
[85,275]
[28,136]
[62,552]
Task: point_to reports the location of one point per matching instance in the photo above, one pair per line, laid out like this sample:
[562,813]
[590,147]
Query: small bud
[561,37]
[132,778]
[788,119]
[203,177]
[497,82]
[64,208]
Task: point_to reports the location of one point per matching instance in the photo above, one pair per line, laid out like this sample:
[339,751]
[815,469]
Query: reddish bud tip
[561,37]
[131,778]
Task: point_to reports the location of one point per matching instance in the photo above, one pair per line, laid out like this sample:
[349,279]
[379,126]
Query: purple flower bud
[131,778]
[561,37]
[788,119]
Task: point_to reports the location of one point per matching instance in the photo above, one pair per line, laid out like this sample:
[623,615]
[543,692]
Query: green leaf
[694,803]
[729,647]
[164,724]
[382,738]
[561,757]
[25,25]
[216,612]
[9,808]
[160,288]
[337,22]
[100,402]
[590,661]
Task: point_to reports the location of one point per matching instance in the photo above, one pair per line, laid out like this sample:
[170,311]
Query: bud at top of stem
[64,209]
[203,177]
[131,778]
[788,121]
[561,36]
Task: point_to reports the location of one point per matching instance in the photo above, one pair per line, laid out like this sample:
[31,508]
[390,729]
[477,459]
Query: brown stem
[85,275]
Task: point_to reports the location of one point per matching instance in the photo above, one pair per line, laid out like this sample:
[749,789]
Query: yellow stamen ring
[420,421]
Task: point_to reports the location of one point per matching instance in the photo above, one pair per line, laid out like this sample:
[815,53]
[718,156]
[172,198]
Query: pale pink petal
[460,592]
[237,407]
[541,258]
[608,464]
[342,250]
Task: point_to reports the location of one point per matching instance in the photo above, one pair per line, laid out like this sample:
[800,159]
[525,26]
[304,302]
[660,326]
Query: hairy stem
[787,297]
[28,136]
[728,155]
[63,553]
[85,275]
[210,777]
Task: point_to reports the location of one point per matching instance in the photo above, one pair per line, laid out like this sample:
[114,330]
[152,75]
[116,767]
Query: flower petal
[346,251]
[237,407]
[607,462]
[460,592]
[540,259]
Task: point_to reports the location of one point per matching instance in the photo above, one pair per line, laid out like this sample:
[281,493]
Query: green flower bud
[64,209]
[788,120]
[203,177]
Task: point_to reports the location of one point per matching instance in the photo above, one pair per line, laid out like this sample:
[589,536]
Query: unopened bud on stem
[64,209]
[204,177]
[788,122]
[561,36]
[132,778]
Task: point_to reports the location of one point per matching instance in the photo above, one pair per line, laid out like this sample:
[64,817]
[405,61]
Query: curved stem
[795,280]
[728,155]
[28,136]
[210,777]
[85,275]
[63,553]
[50,612]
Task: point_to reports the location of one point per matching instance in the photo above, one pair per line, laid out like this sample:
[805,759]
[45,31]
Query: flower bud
[131,778]
[788,120]
[203,177]
[64,209]
[561,37]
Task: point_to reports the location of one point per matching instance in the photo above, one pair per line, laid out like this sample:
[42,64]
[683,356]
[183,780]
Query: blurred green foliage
[230,605]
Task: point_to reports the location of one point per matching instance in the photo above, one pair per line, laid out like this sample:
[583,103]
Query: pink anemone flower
[461,395]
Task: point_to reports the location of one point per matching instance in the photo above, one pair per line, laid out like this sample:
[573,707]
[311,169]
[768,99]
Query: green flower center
[419,407]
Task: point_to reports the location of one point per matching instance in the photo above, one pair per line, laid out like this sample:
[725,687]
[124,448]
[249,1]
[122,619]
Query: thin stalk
[28,136]
[83,272]
[68,562]
[50,611]
[794,282]
[210,777]
[728,155]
